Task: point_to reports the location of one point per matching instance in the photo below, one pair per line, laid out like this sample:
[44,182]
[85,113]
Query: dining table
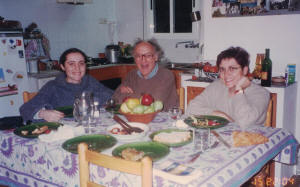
[33,162]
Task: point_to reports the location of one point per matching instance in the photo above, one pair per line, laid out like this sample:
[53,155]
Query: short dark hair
[152,42]
[63,56]
[239,54]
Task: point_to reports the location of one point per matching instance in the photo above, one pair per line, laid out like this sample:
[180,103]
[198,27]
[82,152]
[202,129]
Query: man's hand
[222,114]
[126,89]
[51,115]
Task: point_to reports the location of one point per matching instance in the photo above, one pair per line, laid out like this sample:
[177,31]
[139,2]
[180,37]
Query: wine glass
[175,113]
[110,105]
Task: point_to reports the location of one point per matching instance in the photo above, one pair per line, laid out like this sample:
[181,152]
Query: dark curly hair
[239,54]
[63,56]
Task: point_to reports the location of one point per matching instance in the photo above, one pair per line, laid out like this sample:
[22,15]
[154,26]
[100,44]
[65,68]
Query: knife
[221,139]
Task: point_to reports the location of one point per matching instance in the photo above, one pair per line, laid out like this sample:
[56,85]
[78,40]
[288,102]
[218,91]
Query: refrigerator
[13,72]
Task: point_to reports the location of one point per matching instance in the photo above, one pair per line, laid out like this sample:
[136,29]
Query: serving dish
[177,144]
[206,121]
[30,128]
[116,131]
[67,110]
[95,142]
[154,150]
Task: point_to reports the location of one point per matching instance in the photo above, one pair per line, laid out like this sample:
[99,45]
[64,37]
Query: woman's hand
[51,115]
[222,114]
[243,83]
[126,89]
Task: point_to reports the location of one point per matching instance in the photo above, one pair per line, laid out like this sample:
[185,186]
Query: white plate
[131,136]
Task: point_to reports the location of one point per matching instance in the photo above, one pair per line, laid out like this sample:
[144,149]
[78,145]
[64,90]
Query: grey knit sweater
[58,93]
[246,109]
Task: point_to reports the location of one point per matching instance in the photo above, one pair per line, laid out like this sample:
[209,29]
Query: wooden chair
[180,92]
[268,170]
[28,95]
[142,168]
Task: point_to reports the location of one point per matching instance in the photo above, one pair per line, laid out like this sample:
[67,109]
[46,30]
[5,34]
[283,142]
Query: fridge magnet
[12,43]
[3,41]
[9,71]
[8,90]
[21,53]
[235,8]
[18,42]
[18,77]
[2,79]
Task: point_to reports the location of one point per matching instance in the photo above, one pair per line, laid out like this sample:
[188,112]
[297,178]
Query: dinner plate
[33,126]
[203,120]
[95,142]
[67,110]
[178,144]
[152,149]
[127,137]
[114,109]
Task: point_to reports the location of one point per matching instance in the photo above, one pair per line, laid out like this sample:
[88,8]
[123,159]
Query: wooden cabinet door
[192,92]
[177,77]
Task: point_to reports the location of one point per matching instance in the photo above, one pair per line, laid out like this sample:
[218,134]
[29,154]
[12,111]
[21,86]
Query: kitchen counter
[44,74]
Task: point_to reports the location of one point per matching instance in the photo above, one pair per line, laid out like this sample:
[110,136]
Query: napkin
[63,132]
[177,172]
[180,124]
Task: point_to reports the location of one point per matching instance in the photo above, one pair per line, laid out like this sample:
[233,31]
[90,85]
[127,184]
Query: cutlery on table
[126,125]
[221,139]
[197,154]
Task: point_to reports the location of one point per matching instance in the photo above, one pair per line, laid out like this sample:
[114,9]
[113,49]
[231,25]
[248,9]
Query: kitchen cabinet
[110,71]
[285,102]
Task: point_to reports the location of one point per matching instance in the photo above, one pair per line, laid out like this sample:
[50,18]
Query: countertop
[44,74]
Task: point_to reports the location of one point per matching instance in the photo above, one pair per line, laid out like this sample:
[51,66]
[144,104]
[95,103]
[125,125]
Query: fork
[197,154]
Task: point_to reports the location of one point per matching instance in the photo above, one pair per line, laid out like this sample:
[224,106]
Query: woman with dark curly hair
[63,90]
[233,95]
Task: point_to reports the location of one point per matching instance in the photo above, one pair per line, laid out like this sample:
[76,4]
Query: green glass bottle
[266,70]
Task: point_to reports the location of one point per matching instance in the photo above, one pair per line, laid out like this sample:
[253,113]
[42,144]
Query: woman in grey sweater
[233,96]
[63,90]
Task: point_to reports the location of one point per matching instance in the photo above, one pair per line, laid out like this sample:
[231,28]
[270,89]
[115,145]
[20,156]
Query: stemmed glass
[110,105]
[175,113]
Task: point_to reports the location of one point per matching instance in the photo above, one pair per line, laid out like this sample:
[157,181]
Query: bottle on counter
[266,70]
[257,70]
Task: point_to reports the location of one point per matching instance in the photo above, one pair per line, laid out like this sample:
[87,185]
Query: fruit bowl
[142,118]
[211,75]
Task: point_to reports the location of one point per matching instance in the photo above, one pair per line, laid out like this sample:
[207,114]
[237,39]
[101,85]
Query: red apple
[147,99]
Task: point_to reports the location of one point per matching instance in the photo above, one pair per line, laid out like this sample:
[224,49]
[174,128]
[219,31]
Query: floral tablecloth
[30,162]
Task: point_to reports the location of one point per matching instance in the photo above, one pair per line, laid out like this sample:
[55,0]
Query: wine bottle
[266,70]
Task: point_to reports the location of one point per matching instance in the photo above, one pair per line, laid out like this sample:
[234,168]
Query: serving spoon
[126,126]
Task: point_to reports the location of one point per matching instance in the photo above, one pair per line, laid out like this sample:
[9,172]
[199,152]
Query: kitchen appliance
[112,53]
[13,75]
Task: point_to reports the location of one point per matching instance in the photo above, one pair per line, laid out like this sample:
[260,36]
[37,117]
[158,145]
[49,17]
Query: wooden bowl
[142,118]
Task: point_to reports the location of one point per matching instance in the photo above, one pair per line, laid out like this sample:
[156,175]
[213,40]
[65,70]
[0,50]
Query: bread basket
[142,118]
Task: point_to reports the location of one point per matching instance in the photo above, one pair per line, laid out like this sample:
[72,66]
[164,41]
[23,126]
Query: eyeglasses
[147,56]
[231,69]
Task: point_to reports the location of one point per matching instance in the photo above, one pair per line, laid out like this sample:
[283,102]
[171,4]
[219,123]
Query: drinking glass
[110,105]
[202,139]
[83,109]
[175,113]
